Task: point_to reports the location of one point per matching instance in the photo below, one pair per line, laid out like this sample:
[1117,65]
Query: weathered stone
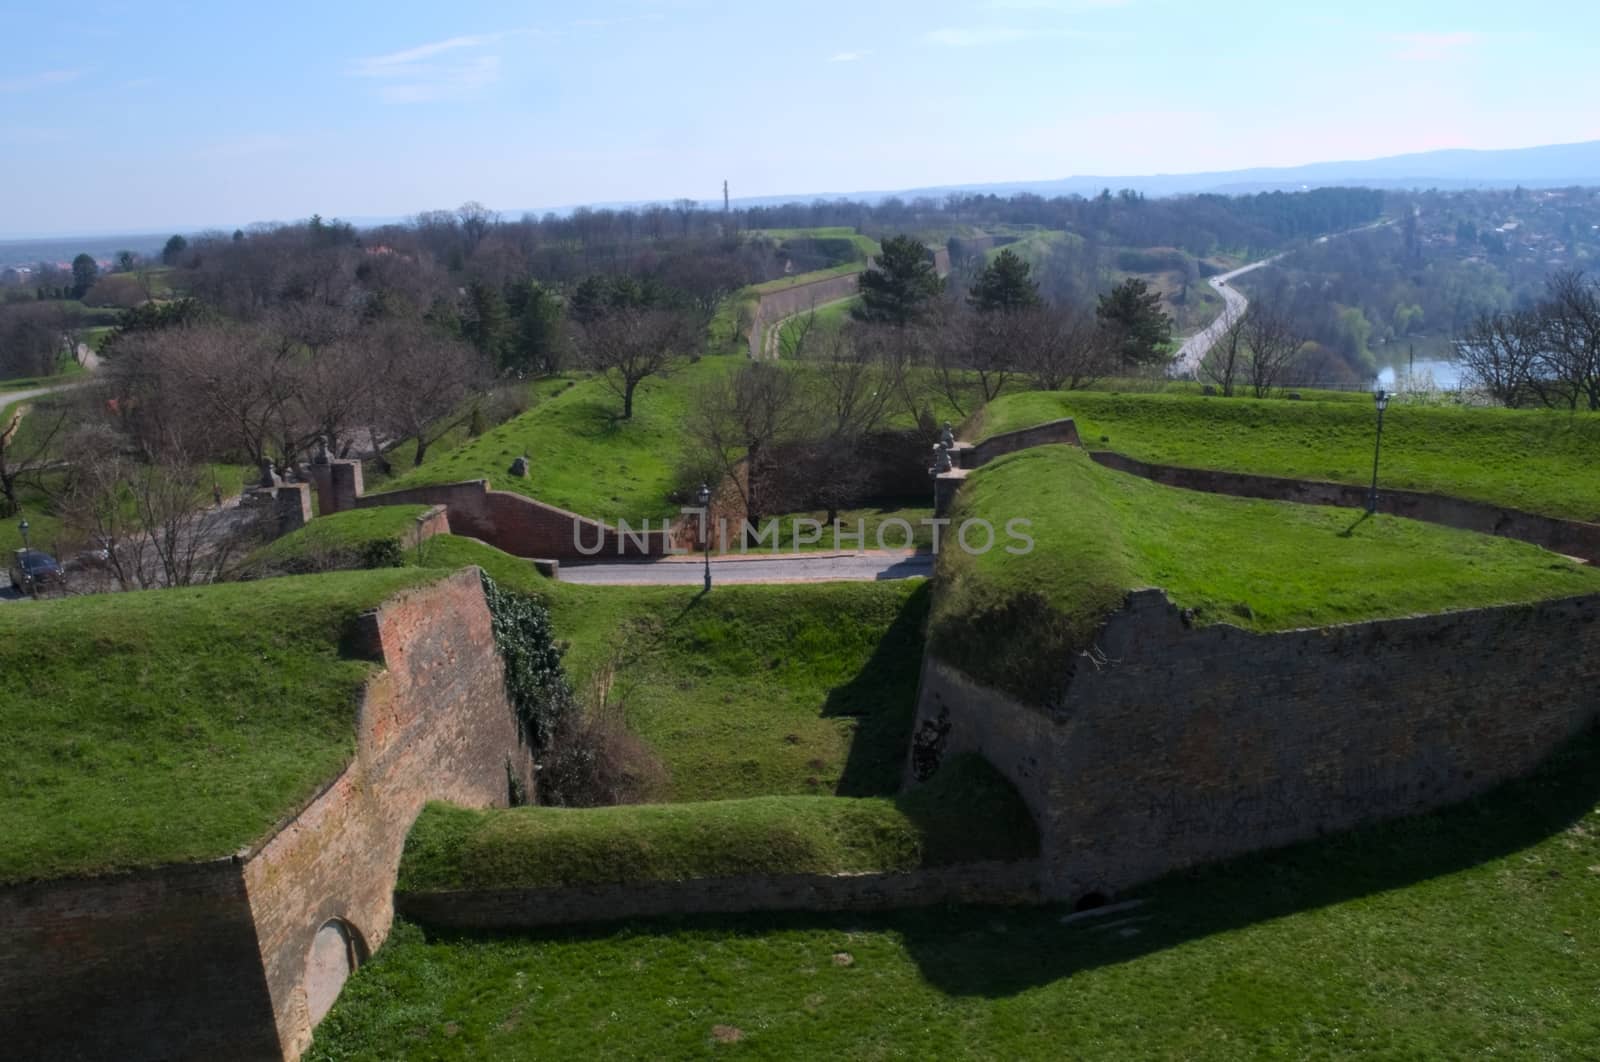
[519,468]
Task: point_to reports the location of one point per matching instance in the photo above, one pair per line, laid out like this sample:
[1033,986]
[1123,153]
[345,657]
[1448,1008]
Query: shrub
[535,680]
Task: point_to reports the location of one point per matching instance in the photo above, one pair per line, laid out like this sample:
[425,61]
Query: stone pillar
[346,485]
[945,486]
[322,479]
[292,507]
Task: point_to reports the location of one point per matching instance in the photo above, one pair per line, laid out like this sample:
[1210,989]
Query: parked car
[34,571]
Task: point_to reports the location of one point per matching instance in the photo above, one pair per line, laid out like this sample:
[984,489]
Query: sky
[121,117]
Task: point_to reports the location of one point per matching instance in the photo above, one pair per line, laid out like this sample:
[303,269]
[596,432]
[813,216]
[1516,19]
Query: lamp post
[23,527]
[705,526]
[1381,398]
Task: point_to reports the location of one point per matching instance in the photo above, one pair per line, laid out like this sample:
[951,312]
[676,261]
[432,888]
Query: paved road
[765,568]
[1186,363]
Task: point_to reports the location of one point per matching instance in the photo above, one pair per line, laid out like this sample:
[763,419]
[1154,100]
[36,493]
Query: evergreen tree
[1004,286]
[487,324]
[84,273]
[537,344]
[174,248]
[1140,328]
[900,284]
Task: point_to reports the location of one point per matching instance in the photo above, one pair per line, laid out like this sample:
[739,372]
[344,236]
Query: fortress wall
[774,306]
[1571,537]
[1176,746]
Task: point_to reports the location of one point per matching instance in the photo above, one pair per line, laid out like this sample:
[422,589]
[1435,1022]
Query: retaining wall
[1175,746]
[971,883]
[218,959]
[1571,537]
[973,455]
[774,306]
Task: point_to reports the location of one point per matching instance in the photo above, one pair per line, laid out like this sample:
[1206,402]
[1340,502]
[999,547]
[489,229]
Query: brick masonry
[973,455]
[971,883]
[1175,746]
[776,305]
[208,961]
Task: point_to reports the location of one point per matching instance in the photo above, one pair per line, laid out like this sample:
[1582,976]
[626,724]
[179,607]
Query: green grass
[866,245]
[1469,933]
[335,541]
[967,812]
[844,269]
[1014,621]
[1535,460]
[174,725]
[831,317]
[583,456]
[867,520]
[794,689]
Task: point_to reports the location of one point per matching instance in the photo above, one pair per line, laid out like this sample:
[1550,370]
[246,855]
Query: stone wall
[973,455]
[975,883]
[774,306]
[523,527]
[1571,537]
[212,960]
[1176,746]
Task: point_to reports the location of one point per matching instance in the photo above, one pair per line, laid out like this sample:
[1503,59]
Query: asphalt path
[866,566]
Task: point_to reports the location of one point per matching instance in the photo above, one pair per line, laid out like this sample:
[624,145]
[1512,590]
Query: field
[1466,933]
[173,725]
[1534,460]
[583,456]
[1007,619]
[831,317]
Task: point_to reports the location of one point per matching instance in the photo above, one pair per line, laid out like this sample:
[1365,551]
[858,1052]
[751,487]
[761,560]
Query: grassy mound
[359,538]
[1014,620]
[174,725]
[584,457]
[966,812]
[1535,460]
[1469,932]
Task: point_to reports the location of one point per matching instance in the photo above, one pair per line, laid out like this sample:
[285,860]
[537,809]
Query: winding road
[866,566]
[1186,363]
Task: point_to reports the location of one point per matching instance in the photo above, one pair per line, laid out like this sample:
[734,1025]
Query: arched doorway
[336,951]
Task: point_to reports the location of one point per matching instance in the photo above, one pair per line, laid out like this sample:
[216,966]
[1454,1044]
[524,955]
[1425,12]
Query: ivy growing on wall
[535,680]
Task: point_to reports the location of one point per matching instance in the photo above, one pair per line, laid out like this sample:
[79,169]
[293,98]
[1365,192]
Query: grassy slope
[173,725]
[1528,459]
[1467,933]
[968,812]
[1255,564]
[345,533]
[750,691]
[584,457]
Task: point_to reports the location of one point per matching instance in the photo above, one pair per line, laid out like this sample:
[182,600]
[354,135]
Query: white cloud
[43,79]
[847,57]
[452,69]
[973,37]
[1430,47]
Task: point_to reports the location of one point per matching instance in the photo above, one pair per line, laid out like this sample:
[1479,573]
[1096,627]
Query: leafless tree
[1224,363]
[423,382]
[853,389]
[628,345]
[740,420]
[1502,352]
[1274,340]
[796,333]
[28,434]
[1571,339]
[1062,348]
[975,354]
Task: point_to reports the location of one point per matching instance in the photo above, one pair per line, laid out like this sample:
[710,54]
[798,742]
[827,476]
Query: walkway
[689,570]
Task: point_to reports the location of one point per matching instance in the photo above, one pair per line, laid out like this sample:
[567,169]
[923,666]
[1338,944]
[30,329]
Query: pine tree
[1141,329]
[900,284]
[1004,286]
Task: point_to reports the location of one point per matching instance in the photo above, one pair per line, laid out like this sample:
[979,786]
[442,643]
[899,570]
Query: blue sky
[120,116]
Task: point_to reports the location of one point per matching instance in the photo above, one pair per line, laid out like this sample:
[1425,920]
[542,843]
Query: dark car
[33,571]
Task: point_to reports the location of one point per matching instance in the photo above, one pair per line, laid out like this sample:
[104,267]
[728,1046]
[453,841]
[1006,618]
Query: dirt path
[866,566]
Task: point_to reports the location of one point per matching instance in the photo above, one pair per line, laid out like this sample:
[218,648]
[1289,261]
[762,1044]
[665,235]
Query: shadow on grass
[1350,531]
[882,698]
[996,953]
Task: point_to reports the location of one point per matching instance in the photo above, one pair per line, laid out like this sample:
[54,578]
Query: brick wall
[776,305]
[209,961]
[977,883]
[973,455]
[1181,746]
[522,526]
[1571,537]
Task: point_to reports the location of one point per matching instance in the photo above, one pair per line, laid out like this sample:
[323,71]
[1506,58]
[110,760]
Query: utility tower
[724,195]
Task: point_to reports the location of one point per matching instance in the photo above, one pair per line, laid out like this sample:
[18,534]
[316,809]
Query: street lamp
[23,527]
[705,528]
[1381,398]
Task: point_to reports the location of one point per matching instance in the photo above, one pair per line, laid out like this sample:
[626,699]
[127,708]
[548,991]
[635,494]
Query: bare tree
[740,420]
[422,382]
[1274,340]
[852,388]
[1225,362]
[1062,348]
[1571,339]
[1502,352]
[26,448]
[630,344]
[975,354]
[795,333]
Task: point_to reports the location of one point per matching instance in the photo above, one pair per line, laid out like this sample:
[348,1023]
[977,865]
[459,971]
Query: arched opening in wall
[336,951]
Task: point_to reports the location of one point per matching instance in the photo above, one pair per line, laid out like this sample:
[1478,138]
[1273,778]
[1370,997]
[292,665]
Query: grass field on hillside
[966,812]
[1536,460]
[171,725]
[335,541]
[1468,933]
[1011,620]
[831,316]
[583,456]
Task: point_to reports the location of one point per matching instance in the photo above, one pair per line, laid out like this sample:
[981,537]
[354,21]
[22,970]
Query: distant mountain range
[1551,166]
